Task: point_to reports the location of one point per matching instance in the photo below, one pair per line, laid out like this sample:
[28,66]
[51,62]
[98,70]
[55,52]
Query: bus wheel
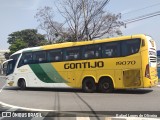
[88,85]
[105,85]
[22,84]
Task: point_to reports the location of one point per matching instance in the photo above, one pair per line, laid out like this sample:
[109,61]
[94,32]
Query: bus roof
[26,49]
[70,44]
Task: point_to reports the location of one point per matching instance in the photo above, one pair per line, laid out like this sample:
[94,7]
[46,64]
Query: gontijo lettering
[96,64]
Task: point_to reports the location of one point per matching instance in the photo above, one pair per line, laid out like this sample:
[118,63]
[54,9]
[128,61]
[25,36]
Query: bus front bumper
[10,83]
[154,82]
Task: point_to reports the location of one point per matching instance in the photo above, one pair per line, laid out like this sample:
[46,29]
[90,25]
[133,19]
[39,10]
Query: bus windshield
[10,67]
[10,64]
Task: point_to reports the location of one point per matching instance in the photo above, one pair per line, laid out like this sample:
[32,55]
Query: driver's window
[25,59]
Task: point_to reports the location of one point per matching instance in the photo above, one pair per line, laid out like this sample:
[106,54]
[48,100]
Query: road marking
[82,118]
[2,88]
[12,109]
[24,108]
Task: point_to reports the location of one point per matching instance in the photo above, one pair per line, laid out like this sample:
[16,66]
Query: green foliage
[25,38]
[17,45]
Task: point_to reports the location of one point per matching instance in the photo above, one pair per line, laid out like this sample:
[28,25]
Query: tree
[52,28]
[17,45]
[85,20]
[23,39]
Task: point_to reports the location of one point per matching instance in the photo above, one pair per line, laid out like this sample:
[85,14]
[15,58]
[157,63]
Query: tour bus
[104,65]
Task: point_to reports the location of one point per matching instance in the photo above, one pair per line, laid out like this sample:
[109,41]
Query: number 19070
[126,62]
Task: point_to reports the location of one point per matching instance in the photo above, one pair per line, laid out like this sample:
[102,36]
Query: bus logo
[152,43]
[98,64]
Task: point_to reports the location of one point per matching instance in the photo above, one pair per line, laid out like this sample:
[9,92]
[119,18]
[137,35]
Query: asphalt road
[2,82]
[67,100]
[76,100]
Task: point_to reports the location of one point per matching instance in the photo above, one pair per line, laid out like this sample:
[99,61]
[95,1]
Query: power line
[142,8]
[100,8]
[142,17]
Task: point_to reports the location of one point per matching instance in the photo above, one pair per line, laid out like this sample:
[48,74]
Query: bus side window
[130,47]
[54,55]
[110,50]
[88,52]
[39,57]
[91,51]
[72,53]
[98,51]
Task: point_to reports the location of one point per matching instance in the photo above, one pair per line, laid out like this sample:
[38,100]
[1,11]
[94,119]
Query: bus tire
[105,85]
[22,84]
[89,85]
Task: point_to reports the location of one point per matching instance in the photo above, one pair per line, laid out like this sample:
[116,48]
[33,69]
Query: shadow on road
[126,91]
[133,91]
[46,89]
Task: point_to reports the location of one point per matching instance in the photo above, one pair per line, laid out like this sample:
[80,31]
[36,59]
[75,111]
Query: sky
[16,15]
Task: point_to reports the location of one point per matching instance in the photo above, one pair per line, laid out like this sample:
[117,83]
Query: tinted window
[39,57]
[25,59]
[10,67]
[91,51]
[130,47]
[15,57]
[111,49]
[55,55]
[72,53]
